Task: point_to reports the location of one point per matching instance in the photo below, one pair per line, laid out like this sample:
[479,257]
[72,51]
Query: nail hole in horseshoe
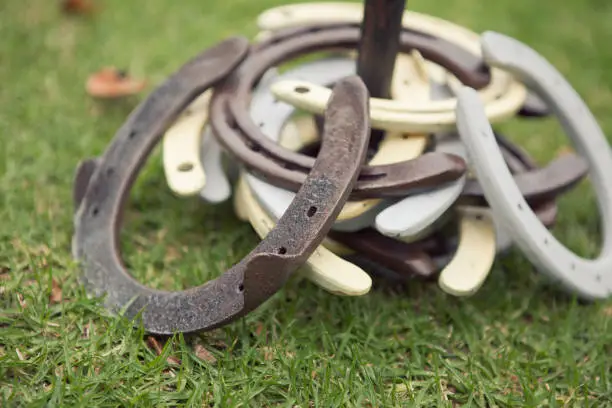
[95,211]
[519,206]
[241,288]
[573,266]
[598,278]
[479,217]
[301,89]
[110,171]
[282,250]
[545,241]
[185,167]
[132,134]
[311,211]
[261,124]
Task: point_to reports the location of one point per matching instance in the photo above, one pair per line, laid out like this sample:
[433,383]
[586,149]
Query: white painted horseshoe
[217,188]
[181,146]
[412,217]
[300,14]
[313,98]
[323,268]
[273,115]
[588,278]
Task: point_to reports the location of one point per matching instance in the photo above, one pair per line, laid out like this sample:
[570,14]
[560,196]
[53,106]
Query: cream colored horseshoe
[474,257]
[181,149]
[333,12]
[477,240]
[313,98]
[323,268]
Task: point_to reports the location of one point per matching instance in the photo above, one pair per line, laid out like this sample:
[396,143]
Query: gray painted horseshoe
[217,188]
[415,215]
[588,278]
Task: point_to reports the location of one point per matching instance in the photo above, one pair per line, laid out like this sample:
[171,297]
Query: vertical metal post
[378,47]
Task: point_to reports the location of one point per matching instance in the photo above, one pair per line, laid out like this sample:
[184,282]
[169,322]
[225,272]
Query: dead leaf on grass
[22,301]
[78,6]
[111,83]
[56,292]
[203,354]
[158,348]
[259,328]
[268,353]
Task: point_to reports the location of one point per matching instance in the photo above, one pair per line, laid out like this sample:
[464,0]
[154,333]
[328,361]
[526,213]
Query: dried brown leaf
[113,83]
[86,330]
[78,6]
[203,354]
[268,353]
[22,301]
[56,292]
[152,343]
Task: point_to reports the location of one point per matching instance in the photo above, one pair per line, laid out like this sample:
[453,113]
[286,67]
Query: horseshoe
[392,115]
[181,146]
[284,168]
[587,278]
[296,15]
[272,116]
[263,271]
[217,188]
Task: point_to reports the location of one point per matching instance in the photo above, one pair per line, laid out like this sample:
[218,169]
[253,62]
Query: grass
[518,342]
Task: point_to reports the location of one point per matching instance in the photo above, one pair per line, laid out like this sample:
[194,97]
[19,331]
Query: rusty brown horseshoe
[102,187]
[237,133]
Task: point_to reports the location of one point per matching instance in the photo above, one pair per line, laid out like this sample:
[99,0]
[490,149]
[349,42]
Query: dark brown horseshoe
[237,133]
[268,266]
[401,260]
[539,184]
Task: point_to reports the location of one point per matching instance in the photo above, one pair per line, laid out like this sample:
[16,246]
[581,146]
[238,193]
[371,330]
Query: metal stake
[378,47]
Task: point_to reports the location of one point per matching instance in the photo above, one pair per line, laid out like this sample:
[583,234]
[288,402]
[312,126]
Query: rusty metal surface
[377,50]
[103,185]
[242,137]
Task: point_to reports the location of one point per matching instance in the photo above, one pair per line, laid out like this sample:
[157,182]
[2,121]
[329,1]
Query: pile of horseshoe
[355,150]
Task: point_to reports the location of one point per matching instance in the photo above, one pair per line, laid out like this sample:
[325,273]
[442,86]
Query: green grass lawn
[518,342]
